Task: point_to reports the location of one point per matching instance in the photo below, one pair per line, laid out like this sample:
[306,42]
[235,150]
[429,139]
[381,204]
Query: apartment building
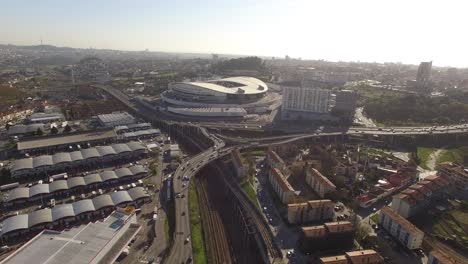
[281,186]
[310,211]
[367,256]
[400,228]
[438,256]
[239,168]
[457,175]
[419,196]
[328,236]
[319,183]
[273,160]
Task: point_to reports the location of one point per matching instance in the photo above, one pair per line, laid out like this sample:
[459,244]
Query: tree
[39,132]
[54,130]
[66,129]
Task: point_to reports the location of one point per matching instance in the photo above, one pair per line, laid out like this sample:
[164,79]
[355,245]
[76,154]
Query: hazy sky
[375,30]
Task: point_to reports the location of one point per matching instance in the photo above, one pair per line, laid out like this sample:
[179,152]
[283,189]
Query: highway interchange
[181,250]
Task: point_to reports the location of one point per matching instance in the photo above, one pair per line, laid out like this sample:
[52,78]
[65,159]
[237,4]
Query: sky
[407,31]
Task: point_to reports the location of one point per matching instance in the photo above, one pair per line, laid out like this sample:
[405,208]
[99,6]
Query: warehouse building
[66,214]
[57,188]
[57,163]
[116,119]
[95,242]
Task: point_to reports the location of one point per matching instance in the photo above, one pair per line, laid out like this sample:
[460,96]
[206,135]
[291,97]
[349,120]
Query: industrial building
[66,214]
[56,188]
[116,119]
[95,242]
[24,130]
[44,118]
[401,229]
[132,127]
[62,142]
[60,162]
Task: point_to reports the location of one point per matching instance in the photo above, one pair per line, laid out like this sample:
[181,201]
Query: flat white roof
[248,85]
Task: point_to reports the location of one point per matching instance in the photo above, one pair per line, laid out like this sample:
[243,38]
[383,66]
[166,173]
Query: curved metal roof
[38,217]
[138,193]
[120,197]
[92,178]
[17,193]
[137,169]
[61,157]
[62,211]
[90,153]
[123,172]
[22,164]
[75,182]
[58,186]
[108,175]
[83,206]
[76,156]
[133,145]
[39,189]
[102,201]
[44,160]
[121,148]
[105,151]
[248,85]
[15,223]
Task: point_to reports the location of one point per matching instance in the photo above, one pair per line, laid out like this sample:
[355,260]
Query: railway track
[273,252]
[216,241]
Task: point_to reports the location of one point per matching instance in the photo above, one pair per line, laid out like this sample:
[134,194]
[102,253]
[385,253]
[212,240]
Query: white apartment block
[400,228]
[273,160]
[306,100]
[313,210]
[281,186]
[318,182]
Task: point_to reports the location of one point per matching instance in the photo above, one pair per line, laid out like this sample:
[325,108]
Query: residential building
[239,167]
[457,175]
[400,228]
[310,211]
[418,196]
[367,256]
[273,160]
[281,186]
[439,256]
[319,183]
[346,102]
[423,77]
[328,236]
[300,102]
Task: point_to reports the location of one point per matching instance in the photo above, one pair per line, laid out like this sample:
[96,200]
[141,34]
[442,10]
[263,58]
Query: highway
[181,249]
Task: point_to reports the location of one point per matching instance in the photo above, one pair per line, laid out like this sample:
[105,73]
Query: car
[187,240]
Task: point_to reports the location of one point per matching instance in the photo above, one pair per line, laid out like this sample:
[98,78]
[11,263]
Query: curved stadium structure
[233,90]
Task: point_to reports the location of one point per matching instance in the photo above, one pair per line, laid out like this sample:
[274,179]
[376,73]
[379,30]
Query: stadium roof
[234,85]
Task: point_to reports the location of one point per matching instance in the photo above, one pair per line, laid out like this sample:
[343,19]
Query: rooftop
[65,139]
[405,224]
[79,245]
[281,180]
[323,180]
[364,256]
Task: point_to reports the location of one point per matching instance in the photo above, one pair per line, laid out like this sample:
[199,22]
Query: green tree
[54,130]
[66,129]
[39,132]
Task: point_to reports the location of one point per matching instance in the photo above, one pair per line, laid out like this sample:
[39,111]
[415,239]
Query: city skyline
[332,30]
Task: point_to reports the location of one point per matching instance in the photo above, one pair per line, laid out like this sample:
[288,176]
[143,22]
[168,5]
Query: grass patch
[249,190]
[424,154]
[452,154]
[375,218]
[198,244]
[256,153]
